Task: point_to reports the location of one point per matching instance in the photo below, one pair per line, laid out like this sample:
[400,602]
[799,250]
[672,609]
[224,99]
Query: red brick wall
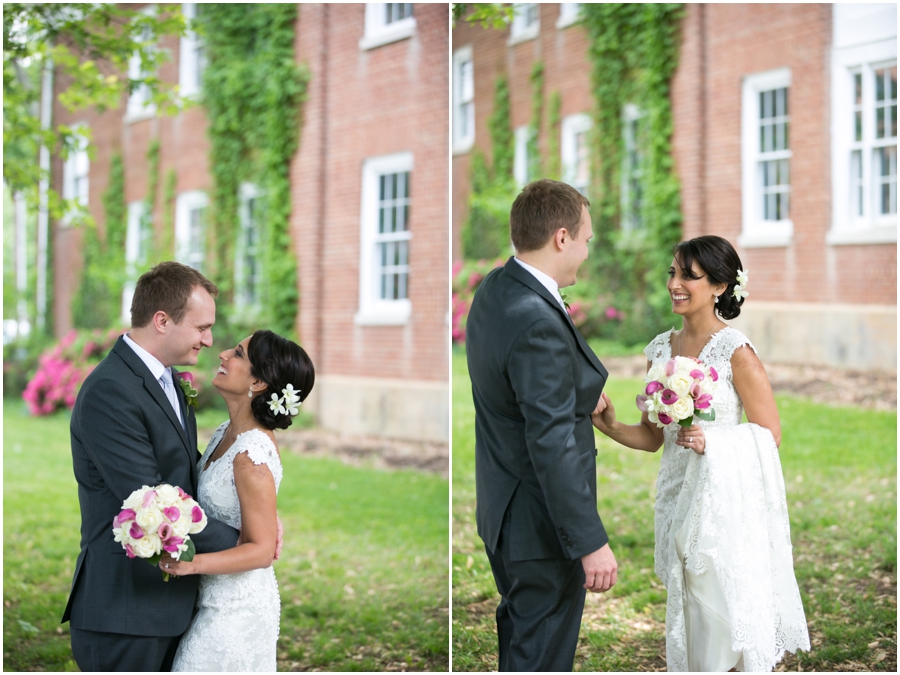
[360,104]
[721,43]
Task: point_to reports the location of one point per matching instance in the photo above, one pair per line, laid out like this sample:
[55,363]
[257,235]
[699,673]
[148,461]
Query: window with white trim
[190,228]
[387,22]
[575,153]
[766,159]
[192,58]
[526,22]
[140,104]
[463,100]
[864,125]
[523,161]
[76,173]
[248,265]
[138,247]
[569,14]
[385,235]
[632,193]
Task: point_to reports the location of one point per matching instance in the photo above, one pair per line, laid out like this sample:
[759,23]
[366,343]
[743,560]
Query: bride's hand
[177,568]
[604,415]
[692,437]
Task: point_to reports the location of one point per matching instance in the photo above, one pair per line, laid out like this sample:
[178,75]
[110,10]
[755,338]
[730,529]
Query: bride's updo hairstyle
[718,259]
[278,362]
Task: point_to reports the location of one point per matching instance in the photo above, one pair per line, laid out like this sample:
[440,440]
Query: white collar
[546,280]
[154,364]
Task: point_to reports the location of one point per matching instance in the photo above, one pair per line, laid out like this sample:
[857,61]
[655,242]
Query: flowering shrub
[62,369]
[593,315]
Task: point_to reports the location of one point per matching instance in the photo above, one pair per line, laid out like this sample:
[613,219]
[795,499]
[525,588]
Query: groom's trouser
[99,652]
[539,615]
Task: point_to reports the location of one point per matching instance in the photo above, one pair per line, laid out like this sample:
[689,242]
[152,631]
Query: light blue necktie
[169,387]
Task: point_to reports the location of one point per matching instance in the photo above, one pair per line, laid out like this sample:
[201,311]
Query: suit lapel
[154,389]
[190,425]
[522,275]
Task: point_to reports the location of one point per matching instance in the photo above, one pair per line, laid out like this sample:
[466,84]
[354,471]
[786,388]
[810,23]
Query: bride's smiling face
[233,374]
[690,292]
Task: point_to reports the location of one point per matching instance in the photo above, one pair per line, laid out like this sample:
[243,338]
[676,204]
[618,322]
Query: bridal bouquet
[678,391]
[162,518]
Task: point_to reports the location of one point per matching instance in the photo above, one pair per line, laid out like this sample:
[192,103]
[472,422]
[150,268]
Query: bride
[263,380]
[723,545]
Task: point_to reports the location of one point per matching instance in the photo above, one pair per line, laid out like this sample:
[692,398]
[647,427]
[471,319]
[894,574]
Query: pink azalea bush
[63,368]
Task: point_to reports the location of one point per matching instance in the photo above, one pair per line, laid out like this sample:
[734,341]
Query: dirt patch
[874,389]
[369,451]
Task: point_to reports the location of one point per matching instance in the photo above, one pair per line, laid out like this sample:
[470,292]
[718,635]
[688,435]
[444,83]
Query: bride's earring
[250,393]
[717,299]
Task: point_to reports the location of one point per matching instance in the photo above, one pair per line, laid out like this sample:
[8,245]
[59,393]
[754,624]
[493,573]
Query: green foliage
[537,114]
[634,53]
[253,91]
[486,14]
[89,46]
[501,133]
[554,161]
[98,301]
[167,246]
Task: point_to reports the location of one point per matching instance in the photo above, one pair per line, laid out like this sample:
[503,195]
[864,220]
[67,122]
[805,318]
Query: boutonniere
[186,382]
[565,299]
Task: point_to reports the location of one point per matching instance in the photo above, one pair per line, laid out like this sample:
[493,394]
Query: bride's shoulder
[658,347]
[258,446]
[730,340]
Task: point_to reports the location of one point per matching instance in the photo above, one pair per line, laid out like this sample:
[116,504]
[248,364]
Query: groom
[130,427]
[535,383]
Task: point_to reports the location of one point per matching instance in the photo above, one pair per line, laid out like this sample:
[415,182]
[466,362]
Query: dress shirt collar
[152,363]
[546,280]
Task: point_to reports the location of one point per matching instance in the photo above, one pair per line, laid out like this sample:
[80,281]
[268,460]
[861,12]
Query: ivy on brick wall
[633,50]
[98,302]
[253,92]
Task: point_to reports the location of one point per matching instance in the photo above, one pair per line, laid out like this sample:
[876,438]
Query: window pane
[467,88]
[858,125]
[857,87]
[892,76]
[879,84]
[381,187]
[893,131]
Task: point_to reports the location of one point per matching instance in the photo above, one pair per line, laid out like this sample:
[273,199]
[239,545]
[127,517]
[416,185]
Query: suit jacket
[535,382]
[125,435]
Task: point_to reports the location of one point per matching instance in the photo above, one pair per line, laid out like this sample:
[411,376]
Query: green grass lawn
[363,574]
[840,471]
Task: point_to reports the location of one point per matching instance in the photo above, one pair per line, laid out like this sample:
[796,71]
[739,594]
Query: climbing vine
[534,124]
[253,91]
[633,50]
[501,133]
[97,302]
[168,215]
[554,162]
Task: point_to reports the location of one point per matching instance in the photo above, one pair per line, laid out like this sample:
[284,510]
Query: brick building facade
[375,116]
[819,233]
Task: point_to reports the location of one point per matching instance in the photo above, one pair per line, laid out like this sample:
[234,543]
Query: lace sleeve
[261,450]
[728,343]
[658,348]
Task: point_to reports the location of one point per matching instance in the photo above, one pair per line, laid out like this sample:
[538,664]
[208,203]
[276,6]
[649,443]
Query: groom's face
[575,251]
[185,339]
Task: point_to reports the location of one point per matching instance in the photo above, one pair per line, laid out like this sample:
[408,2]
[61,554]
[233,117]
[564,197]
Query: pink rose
[187,376]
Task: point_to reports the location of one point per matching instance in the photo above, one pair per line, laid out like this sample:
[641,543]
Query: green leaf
[707,416]
[188,555]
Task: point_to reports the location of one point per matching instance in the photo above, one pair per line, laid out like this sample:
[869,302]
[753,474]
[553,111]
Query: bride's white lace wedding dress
[236,624]
[723,546]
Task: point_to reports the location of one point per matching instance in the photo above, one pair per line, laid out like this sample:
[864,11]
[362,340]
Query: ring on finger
[690,439]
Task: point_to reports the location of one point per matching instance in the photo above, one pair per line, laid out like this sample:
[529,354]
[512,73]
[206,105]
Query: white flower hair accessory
[288,404]
[740,289]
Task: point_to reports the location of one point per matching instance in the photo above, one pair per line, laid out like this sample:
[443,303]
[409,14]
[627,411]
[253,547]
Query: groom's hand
[599,569]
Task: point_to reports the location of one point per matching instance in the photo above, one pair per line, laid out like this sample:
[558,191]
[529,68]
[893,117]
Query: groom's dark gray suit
[125,434]
[535,382]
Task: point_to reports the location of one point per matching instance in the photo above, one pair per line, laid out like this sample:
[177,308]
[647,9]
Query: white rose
[149,519]
[167,495]
[653,417]
[147,546]
[682,408]
[135,499]
[200,524]
[657,372]
[182,526]
[680,383]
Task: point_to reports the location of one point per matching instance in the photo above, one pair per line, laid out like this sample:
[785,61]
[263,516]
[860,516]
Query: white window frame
[569,14]
[630,114]
[137,212]
[756,232]
[846,226]
[185,204]
[572,125]
[521,159]
[191,60]
[139,106]
[373,310]
[520,30]
[463,102]
[245,306]
[76,173]
[379,32]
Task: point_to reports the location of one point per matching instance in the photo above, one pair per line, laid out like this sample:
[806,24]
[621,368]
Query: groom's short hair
[168,287]
[543,207]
